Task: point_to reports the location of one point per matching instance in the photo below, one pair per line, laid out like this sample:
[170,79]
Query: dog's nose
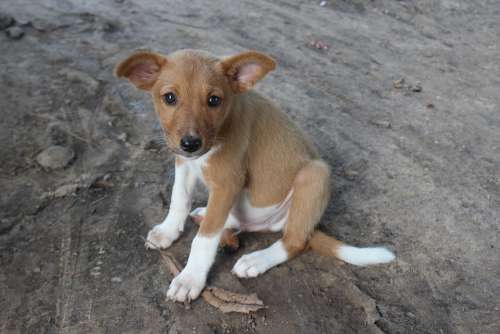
[190,144]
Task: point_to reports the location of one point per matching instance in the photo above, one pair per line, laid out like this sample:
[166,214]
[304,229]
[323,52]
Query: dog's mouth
[189,156]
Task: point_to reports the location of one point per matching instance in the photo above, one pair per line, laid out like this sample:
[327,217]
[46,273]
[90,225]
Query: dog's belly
[245,217]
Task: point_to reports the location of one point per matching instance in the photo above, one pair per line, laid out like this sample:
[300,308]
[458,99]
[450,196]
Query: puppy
[261,172]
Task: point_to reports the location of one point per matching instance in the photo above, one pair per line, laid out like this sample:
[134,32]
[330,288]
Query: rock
[14,33]
[90,83]
[6,21]
[398,84]
[122,137]
[116,279]
[64,190]
[319,45]
[381,123]
[55,157]
[417,88]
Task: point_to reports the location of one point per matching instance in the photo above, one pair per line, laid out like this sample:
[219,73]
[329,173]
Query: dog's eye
[170,99]
[214,101]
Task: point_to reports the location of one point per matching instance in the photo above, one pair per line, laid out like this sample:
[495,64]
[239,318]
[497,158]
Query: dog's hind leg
[229,239]
[309,199]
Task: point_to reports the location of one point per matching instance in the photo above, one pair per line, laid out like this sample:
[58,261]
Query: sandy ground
[416,164]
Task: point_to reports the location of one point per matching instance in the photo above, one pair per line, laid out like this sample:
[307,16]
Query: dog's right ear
[141,69]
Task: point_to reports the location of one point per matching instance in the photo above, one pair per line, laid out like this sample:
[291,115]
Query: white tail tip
[364,256]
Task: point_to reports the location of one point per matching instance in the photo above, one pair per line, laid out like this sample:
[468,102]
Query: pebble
[14,33]
[417,88]
[381,123]
[122,137]
[55,157]
[5,21]
[116,279]
[398,84]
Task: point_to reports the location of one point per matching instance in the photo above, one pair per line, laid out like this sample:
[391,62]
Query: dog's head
[193,91]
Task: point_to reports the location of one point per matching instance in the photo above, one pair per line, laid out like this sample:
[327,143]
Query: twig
[225,301]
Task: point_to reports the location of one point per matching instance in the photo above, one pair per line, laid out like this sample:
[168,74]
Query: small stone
[122,136]
[14,33]
[116,279]
[430,106]
[323,3]
[64,190]
[5,21]
[37,270]
[55,157]
[398,84]
[381,123]
[319,45]
[417,88]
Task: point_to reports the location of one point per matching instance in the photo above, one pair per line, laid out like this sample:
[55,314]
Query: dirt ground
[416,164]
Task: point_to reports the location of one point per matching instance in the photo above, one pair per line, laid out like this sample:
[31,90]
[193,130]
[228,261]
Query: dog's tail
[326,245]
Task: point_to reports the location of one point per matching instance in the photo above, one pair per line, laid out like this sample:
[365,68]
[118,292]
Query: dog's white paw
[186,286]
[250,265]
[162,236]
[256,263]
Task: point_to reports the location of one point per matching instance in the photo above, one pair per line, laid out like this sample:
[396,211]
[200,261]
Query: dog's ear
[245,69]
[141,69]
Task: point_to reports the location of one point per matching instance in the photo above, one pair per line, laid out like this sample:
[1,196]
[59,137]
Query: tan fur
[229,238]
[323,244]
[258,148]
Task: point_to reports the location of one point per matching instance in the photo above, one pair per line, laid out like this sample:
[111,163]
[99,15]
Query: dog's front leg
[164,234]
[191,281]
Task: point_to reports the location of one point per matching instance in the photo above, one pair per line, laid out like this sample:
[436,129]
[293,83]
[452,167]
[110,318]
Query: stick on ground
[225,301]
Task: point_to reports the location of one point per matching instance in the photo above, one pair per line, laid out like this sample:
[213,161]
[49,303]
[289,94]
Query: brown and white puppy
[261,172]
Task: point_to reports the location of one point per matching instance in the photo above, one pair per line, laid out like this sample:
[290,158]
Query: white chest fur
[243,215]
[195,166]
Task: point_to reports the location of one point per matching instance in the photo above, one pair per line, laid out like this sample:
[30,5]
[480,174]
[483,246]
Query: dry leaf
[228,307]
[225,301]
[233,297]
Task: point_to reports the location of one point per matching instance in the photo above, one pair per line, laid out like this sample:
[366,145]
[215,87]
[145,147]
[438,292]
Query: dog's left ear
[141,69]
[245,69]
